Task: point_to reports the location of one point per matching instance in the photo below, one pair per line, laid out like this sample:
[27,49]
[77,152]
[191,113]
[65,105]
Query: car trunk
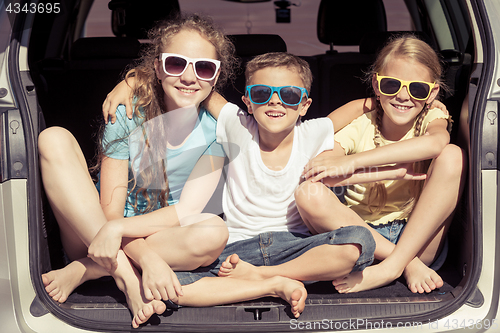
[100,305]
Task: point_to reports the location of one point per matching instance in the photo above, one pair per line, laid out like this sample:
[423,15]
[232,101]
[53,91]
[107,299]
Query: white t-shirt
[255,198]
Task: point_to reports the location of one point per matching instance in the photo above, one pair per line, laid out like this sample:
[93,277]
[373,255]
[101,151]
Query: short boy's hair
[280,59]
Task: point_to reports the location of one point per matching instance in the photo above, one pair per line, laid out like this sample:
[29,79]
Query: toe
[430,285]
[53,292]
[234,259]
[45,279]
[159,307]
[140,317]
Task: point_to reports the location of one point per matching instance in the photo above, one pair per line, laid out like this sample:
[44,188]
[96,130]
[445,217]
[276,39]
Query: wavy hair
[149,101]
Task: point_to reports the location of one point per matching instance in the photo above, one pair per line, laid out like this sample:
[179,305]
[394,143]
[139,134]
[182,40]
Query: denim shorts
[274,248]
[393,231]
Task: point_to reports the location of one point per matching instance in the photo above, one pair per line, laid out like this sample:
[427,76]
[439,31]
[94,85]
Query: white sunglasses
[204,68]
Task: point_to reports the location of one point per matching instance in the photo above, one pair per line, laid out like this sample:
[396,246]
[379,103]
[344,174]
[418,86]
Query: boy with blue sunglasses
[268,147]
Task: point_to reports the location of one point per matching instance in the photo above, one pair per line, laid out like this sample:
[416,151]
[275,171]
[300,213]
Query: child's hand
[159,280]
[121,94]
[405,172]
[104,247]
[439,105]
[328,164]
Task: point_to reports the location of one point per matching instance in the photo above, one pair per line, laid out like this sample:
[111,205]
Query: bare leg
[316,203]
[424,232]
[75,203]
[192,246]
[60,283]
[175,248]
[215,291]
[322,263]
[129,281]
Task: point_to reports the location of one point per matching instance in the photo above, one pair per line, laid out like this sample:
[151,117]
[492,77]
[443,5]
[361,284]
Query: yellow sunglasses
[390,86]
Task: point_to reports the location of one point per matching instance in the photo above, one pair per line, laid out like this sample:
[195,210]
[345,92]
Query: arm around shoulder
[214,103]
[343,116]
[122,93]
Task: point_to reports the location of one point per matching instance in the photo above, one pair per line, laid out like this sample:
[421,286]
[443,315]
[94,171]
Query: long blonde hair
[411,48]
[149,102]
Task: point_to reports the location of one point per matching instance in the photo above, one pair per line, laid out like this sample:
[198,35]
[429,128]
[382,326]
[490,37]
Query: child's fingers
[112,264]
[172,294]
[420,176]
[307,168]
[105,110]
[109,111]
[128,108]
[311,172]
[318,177]
[112,111]
[157,294]
[178,287]
[148,294]
[163,294]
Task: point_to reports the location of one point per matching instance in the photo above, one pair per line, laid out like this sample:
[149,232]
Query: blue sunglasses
[289,95]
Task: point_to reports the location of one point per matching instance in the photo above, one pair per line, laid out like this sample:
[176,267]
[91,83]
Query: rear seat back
[75,88]
[344,23]
[134,18]
[339,74]
[247,47]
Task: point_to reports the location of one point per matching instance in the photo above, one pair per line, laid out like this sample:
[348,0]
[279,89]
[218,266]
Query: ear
[434,94]
[248,104]
[375,85]
[305,107]
[159,70]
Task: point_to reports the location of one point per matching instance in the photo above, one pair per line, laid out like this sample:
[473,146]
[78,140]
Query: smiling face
[274,117]
[187,89]
[401,109]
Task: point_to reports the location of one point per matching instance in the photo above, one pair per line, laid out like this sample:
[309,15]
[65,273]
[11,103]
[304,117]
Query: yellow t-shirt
[357,137]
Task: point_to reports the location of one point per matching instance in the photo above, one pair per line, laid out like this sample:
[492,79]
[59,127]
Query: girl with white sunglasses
[148,186]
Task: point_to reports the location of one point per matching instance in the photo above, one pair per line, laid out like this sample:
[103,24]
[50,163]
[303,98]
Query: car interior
[73,75]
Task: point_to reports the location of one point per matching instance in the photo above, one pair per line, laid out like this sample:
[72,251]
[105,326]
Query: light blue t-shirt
[127,139]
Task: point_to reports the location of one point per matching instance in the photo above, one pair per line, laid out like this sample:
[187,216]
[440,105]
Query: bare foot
[60,283]
[293,292]
[142,311]
[234,267]
[141,308]
[421,278]
[370,278]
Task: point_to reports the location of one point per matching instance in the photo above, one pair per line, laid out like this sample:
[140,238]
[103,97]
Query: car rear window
[260,18]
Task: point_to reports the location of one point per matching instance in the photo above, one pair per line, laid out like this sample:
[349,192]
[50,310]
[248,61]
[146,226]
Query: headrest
[372,42]
[105,48]
[255,44]
[134,18]
[345,22]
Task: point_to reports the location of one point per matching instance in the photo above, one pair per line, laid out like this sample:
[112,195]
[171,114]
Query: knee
[451,160]
[53,140]
[312,197]
[210,237]
[348,254]
[352,252]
